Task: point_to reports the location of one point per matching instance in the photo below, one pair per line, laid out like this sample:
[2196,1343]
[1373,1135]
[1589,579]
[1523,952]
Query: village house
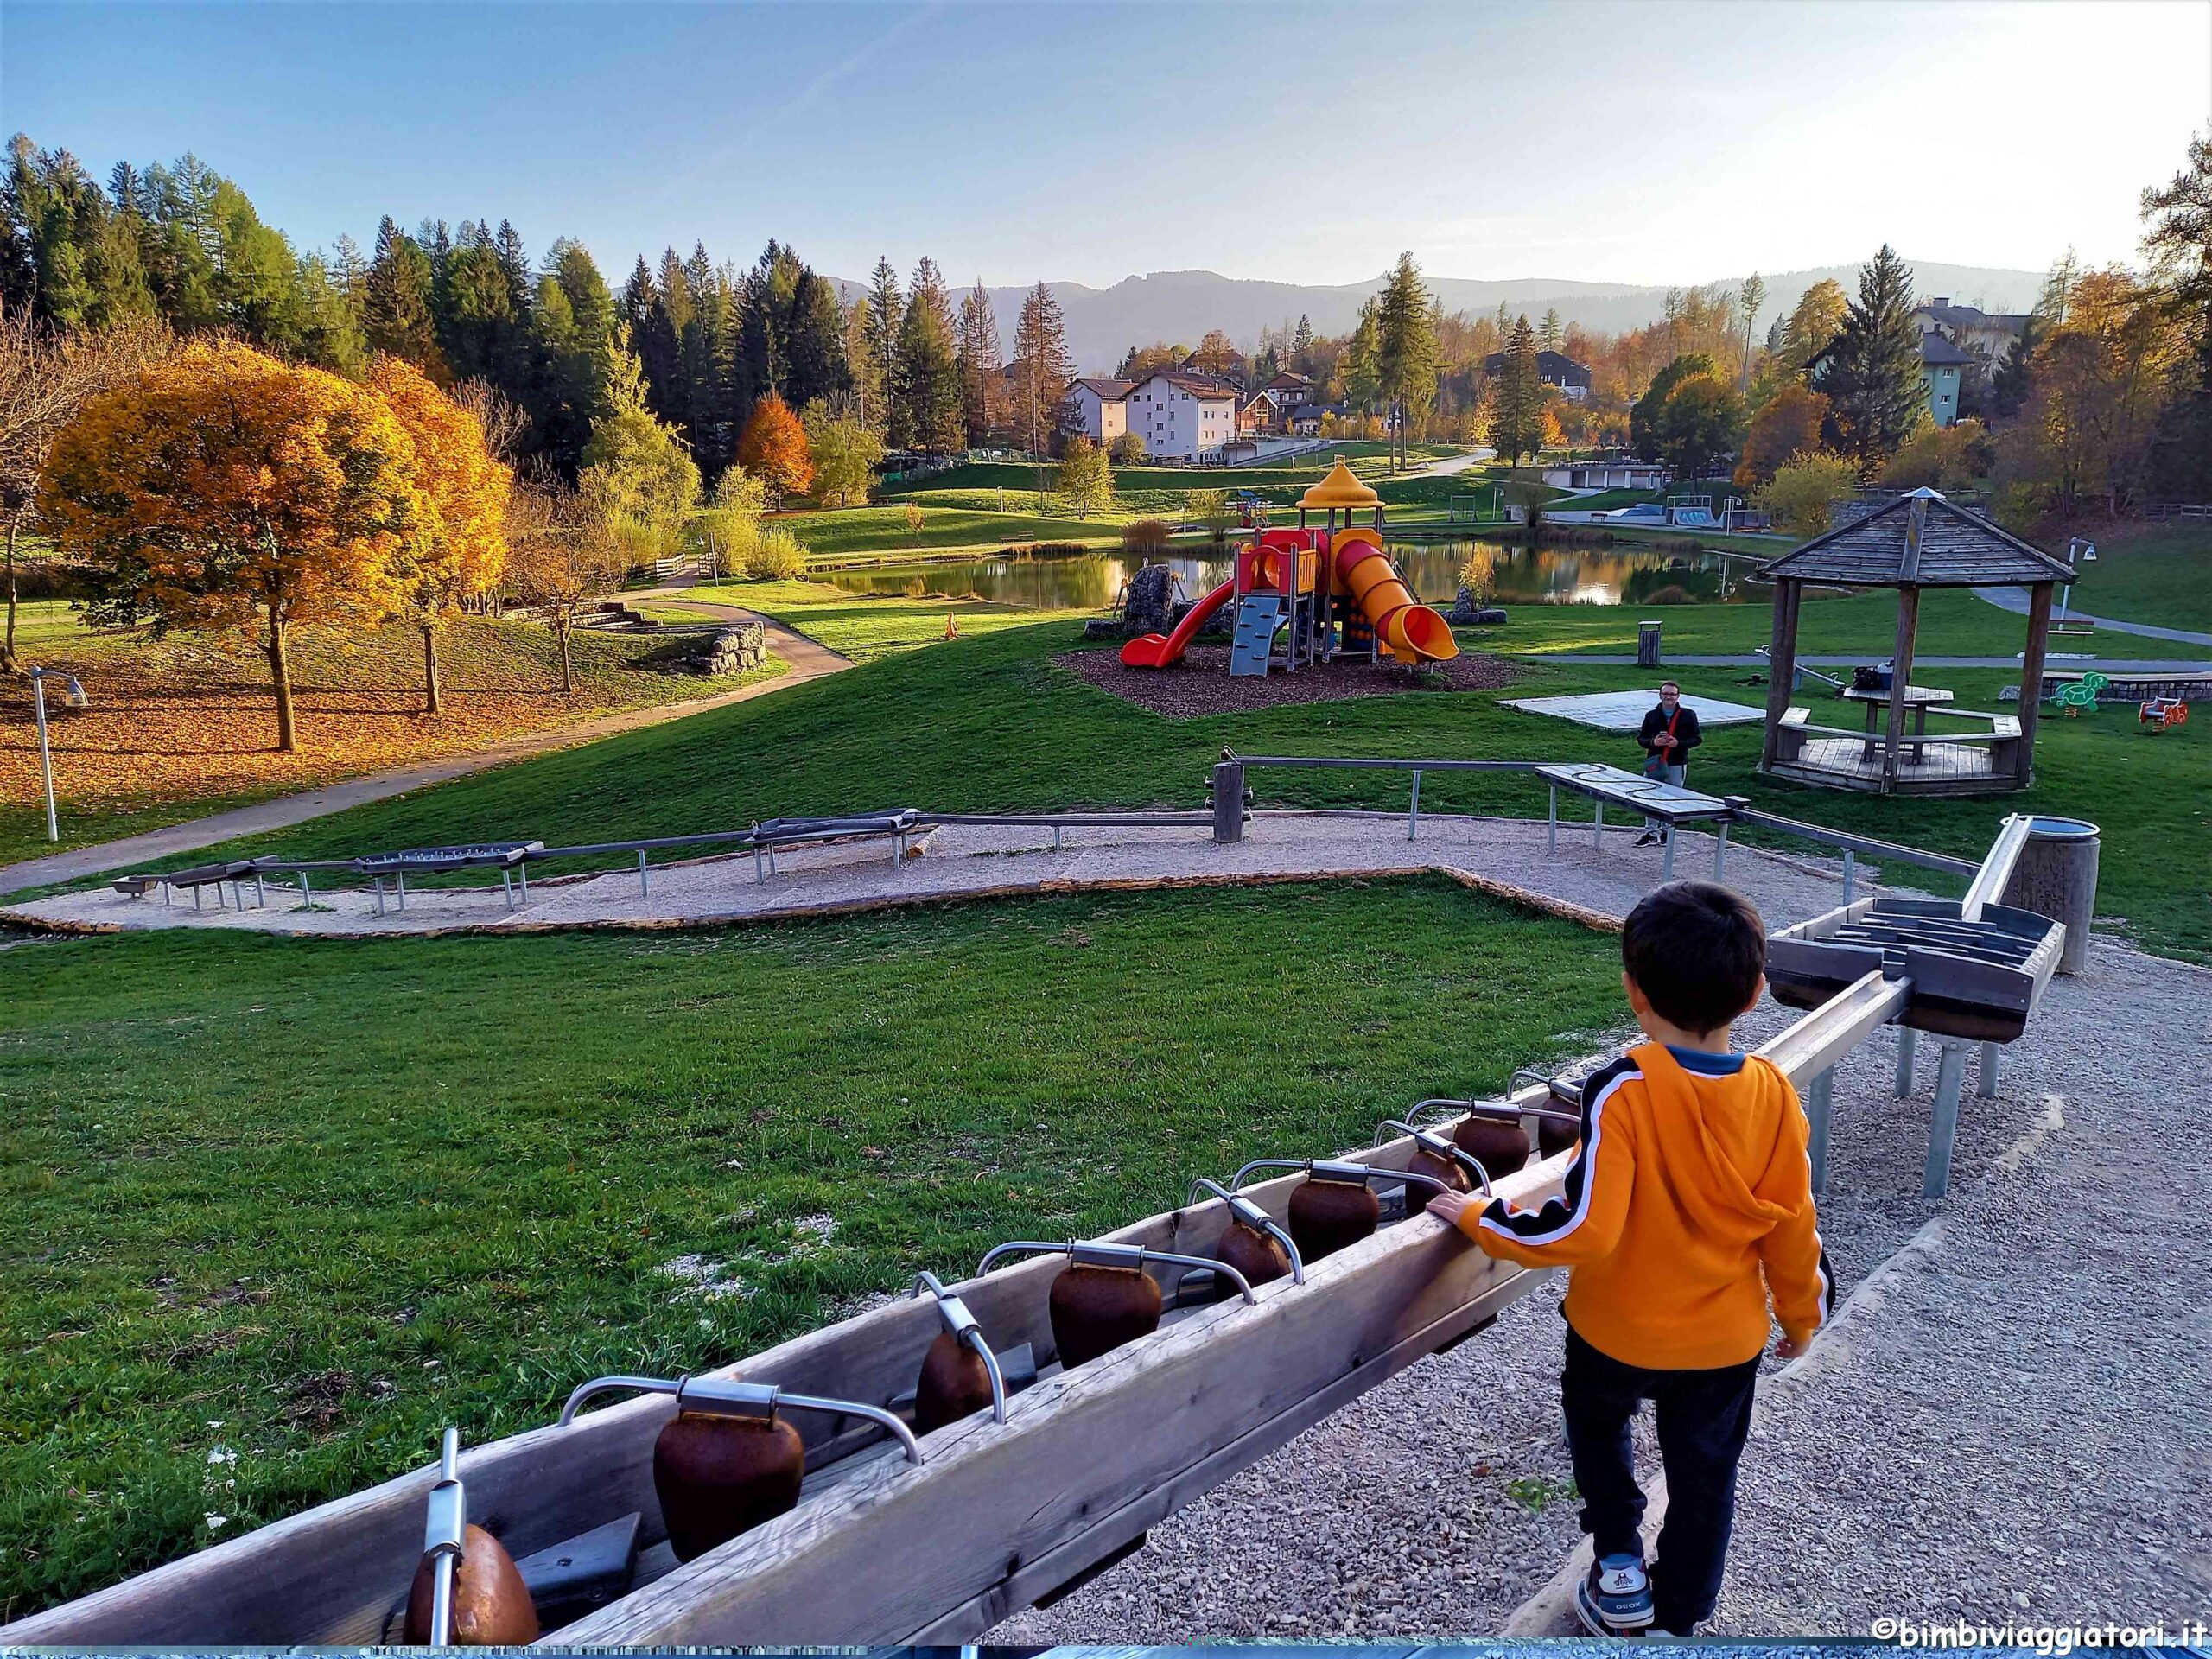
[1942,367]
[1987,338]
[1095,409]
[1554,369]
[1180,415]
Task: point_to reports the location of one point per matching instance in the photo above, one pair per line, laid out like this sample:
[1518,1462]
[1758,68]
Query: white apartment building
[1181,417]
[1095,408]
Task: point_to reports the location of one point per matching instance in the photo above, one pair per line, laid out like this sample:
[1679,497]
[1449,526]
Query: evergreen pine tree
[1551,331]
[1042,366]
[929,378]
[1516,426]
[816,348]
[887,317]
[1407,359]
[395,302]
[1871,375]
[1301,345]
[981,363]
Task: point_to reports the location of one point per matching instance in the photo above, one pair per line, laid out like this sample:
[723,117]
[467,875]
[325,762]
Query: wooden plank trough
[879,1549]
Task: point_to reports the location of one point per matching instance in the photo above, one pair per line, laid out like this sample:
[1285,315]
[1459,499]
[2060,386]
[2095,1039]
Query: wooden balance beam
[878,1550]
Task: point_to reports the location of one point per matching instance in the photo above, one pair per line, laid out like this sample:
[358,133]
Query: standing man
[1669,732]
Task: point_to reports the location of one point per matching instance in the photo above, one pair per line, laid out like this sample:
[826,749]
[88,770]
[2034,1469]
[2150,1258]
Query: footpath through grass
[282,1209]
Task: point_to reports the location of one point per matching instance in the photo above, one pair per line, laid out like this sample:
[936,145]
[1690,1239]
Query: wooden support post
[1893,733]
[1781,666]
[2032,681]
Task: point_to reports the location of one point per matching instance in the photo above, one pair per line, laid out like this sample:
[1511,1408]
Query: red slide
[1158,649]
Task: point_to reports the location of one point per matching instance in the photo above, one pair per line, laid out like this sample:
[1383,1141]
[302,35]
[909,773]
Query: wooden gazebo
[1919,540]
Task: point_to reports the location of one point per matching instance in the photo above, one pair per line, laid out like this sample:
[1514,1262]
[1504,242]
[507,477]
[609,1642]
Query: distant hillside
[1181,305]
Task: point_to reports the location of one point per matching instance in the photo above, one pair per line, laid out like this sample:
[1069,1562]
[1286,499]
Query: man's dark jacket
[1686,735]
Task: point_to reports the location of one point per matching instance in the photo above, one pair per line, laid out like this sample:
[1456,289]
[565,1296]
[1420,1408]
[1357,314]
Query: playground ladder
[1257,618]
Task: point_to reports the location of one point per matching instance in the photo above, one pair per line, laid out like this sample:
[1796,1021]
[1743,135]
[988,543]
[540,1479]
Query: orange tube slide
[1412,632]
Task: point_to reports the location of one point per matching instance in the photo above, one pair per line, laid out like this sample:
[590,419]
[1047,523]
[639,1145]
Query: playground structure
[887,1526]
[1916,541]
[1328,589]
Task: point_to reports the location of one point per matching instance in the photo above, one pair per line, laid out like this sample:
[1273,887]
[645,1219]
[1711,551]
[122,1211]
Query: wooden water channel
[880,1549]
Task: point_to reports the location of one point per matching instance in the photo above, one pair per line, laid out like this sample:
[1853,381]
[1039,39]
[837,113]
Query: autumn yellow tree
[1788,423]
[224,489]
[457,545]
[564,552]
[773,448]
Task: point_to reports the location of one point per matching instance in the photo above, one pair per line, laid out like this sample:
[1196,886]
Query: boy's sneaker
[1615,1599]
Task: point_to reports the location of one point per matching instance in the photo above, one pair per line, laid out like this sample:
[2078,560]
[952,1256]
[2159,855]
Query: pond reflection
[1524,575]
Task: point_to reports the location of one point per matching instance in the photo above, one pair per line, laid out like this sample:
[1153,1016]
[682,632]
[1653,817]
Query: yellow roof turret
[1340,489]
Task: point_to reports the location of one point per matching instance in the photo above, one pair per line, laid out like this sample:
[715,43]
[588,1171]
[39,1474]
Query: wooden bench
[2004,742]
[1790,735]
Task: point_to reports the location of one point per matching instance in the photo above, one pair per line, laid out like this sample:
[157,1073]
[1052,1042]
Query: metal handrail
[960,1325]
[1089,1253]
[714,1396]
[1254,1217]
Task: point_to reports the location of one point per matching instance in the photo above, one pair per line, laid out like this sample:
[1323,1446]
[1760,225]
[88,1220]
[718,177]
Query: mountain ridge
[1180,305]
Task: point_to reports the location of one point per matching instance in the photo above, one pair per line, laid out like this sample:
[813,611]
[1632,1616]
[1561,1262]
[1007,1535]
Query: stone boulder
[735,650]
[1149,604]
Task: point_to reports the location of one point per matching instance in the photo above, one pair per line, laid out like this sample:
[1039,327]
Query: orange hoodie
[1685,1184]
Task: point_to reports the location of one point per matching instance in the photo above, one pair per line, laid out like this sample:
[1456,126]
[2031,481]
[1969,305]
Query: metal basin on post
[2056,876]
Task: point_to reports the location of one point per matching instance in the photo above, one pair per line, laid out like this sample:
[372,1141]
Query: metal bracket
[715,1396]
[961,1326]
[1254,1217]
[1092,1254]
[445,1526]
[1329,1169]
[1435,1145]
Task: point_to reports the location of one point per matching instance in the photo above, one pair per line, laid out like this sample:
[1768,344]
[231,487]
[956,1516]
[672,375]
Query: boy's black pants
[1703,1418]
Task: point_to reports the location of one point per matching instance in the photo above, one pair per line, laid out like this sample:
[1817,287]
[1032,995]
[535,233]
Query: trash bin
[1647,644]
[2056,876]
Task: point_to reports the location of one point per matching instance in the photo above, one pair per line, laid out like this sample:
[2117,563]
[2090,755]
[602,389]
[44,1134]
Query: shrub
[1211,508]
[774,554]
[1673,594]
[1479,573]
[1147,539]
[914,516]
[1126,448]
[1805,489]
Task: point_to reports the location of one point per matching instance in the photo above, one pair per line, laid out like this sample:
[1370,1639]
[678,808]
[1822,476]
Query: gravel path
[2011,1426]
[967,860]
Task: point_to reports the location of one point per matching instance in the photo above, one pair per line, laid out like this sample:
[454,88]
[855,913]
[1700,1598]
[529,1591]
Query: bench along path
[2007,1423]
[967,862]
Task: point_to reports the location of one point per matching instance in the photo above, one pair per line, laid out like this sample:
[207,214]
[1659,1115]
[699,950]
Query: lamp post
[2078,550]
[74,694]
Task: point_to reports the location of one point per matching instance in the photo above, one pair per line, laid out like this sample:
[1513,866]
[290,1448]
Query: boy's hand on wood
[1448,1207]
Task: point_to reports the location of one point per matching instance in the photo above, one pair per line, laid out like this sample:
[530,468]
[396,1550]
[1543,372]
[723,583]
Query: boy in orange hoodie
[1687,1203]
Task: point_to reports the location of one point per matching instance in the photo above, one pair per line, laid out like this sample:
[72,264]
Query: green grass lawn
[1952,623]
[2160,574]
[282,1209]
[990,722]
[873,532]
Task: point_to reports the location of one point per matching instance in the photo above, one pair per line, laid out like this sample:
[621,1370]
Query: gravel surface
[2012,1425]
[1199,684]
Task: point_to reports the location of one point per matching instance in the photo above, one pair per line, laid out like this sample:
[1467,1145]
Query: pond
[1525,576]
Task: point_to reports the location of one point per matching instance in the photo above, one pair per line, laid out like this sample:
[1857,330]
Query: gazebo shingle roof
[1919,540]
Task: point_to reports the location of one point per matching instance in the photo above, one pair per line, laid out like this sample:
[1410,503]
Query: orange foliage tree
[225,489]
[773,448]
[1788,423]
[457,545]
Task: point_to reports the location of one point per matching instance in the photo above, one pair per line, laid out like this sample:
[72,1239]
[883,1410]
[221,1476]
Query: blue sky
[1304,142]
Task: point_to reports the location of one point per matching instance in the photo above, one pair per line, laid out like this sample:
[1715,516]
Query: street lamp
[2079,551]
[74,696]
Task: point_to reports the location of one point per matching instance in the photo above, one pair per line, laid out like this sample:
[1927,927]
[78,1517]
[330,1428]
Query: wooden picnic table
[1917,698]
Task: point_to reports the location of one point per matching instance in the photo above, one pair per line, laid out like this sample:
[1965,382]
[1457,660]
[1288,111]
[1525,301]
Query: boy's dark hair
[1696,950]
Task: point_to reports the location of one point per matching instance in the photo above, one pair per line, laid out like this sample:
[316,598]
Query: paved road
[2015,601]
[808,658]
[1696,659]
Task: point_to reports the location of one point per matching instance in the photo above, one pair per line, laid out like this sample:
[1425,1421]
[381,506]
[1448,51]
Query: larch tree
[773,448]
[1813,323]
[1042,367]
[1871,375]
[860,362]
[561,555]
[455,548]
[981,363]
[1551,332]
[224,489]
[1750,299]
